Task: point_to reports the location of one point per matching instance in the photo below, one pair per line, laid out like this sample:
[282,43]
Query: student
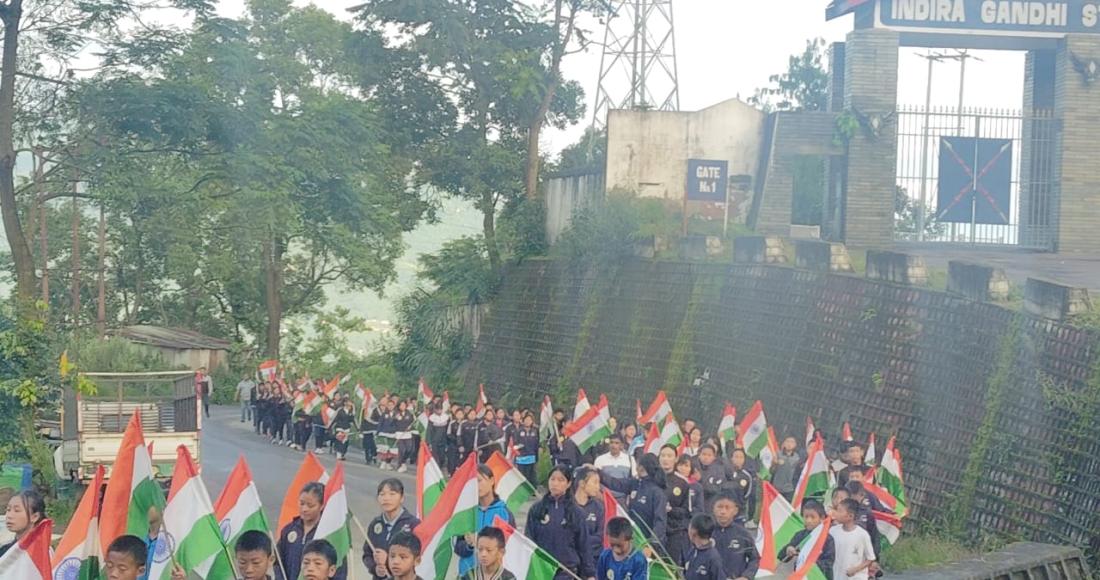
[25,510]
[403,422]
[404,557]
[854,553]
[395,519]
[439,420]
[255,555]
[299,533]
[839,494]
[616,463]
[813,514]
[866,517]
[666,458]
[155,542]
[341,429]
[368,428]
[648,505]
[684,502]
[589,498]
[319,561]
[735,545]
[489,436]
[695,442]
[556,524]
[621,561]
[303,428]
[785,471]
[703,563]
[489,507]
[125,558]
[741,479]
[716,475]
[526,441]
[455,449]
[490,557]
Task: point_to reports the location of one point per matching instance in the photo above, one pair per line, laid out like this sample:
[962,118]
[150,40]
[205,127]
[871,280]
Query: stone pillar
[870,92]
[1037,189]
[1077,106]
[832,211]
[836,77]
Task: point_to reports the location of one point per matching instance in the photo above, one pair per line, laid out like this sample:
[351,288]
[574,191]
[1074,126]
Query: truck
[92,426]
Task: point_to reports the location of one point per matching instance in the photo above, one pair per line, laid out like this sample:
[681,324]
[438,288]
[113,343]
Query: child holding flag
[319,561]
[854,552]
[556,525]
[394,519]
[299,532]
[255,555]
[621,561]
[489,507]
[125,558]
[813,513]
[735,545]
[587,496]
[490,557]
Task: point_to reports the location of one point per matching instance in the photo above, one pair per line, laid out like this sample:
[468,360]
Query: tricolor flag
[547,426]
[131,491]
[446,402]
[805,565]
[308,401]
[810,430]
[327,415]
[638,412]
[190,531]
[613,509]
[889,526]
[79,555]
[889,476]
[333,525]
[846,432]
[883,496]
[871,455]
[667,434]
[591,427]
[238,508]
[329,388]
[511,485]
[29,558]
[754,431]
[268,369]
[429,481]
[582,405]
[814,482]
[310,470]
[367,402]
[454,515]
[658,409]
[482,401]
[727,426]
[778,525]
[768,455]
[423,393]
[522,557]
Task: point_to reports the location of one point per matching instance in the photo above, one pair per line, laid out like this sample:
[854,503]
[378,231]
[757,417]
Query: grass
[918,551]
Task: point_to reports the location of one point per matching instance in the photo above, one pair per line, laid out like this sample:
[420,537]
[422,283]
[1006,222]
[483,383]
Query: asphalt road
[225,438]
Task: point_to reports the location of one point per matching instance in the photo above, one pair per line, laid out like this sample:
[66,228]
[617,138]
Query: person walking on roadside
[244,396]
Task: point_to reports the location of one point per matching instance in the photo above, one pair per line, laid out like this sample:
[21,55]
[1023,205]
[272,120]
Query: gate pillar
[1077,104]
[871,94]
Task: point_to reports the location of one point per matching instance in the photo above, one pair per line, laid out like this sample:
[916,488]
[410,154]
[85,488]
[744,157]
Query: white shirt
[852,549]
[620,467]
[244,389]
[439,419]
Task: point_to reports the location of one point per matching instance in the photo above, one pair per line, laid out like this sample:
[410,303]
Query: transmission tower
[638,65]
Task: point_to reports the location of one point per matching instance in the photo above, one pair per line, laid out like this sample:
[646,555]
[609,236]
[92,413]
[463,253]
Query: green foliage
[803,87]
[91,354]
[604,233]
[906,217]
[460,271]
[845,128]
[523,229]
[589,152]
[808,197]
[922,550]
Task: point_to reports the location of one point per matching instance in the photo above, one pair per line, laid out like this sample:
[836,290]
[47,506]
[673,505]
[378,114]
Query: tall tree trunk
[488,226]
[76,259]
[22,258]
[534,130]
[43,244]
[273,278]
[101,306]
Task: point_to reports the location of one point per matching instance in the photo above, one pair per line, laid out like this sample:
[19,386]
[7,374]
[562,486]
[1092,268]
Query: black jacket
[714,478]
[737,548]
[526,441]
[828,551]
[704,564]
[379,532]
[292,541]
[685,501]
[647,504]
[594,522]
[557,526]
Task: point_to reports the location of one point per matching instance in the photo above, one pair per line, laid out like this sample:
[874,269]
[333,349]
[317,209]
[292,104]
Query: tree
[803,87]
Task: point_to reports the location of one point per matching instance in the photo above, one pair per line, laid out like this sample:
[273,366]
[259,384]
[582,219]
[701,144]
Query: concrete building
[178,347]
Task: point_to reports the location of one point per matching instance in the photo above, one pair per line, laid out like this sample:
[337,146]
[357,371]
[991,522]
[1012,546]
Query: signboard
[975,182]
[707,180]
[1015,17]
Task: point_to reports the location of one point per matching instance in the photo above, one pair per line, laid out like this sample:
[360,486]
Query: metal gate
[1015,208]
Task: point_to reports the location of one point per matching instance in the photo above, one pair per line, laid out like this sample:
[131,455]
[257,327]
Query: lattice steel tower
[638,66]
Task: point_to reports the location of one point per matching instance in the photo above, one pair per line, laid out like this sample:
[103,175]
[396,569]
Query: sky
[729,48]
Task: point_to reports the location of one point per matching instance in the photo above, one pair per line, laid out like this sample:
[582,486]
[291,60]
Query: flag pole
[657,544]
[363,531]
[278,558]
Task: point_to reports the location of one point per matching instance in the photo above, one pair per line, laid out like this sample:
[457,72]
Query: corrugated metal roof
[170,337]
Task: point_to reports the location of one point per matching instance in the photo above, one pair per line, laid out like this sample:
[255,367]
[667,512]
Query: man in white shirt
[616,463]
[244,395]
[854,552]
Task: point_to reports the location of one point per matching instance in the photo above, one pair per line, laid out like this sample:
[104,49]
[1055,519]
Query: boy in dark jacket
[735,545]
[813,513]
[703,562]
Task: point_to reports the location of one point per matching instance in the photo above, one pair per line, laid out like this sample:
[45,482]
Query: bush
[922,550]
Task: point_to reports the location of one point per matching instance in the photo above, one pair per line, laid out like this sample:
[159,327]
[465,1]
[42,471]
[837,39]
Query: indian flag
[190,532]
[329,388]
[522,557]
[883,496]
[889,476]
[238,508]
[805,566]
[309,402]
[333,525]
[727,426]
[768,455]
[613,509]
[131,490]
[511,485]
[454,515]
[846,432]
[29,559]
[871,455]
[547,426]
[754,431]
[814,481]
[79,554]
[658,409]
[423,393]
[591,427]
[446,402]
[810,431]
[889,526]
[310,470]
[582,405]
[268,368]
[482,401]
[666,434]
[778,525]
[429,481]
[327,415]
[367,402]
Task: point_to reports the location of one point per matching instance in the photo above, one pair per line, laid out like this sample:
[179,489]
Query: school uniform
[526,442]
[467,433]
[594,523]
[685,501]
[557,526]
[380,531]
[633,567]
[828,551]
[737,549]
[714,478]
[742,481]
[478,574]
[341,428]
[402,427]
[368,428]
[484,518]
[704,564]
[292,543]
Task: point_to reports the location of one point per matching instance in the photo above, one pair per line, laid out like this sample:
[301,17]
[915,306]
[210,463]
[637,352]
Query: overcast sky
[727,48]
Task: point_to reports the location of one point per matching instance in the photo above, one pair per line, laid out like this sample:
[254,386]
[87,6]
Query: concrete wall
[647,151]
[1076,103]
[793,135]
[568,193]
